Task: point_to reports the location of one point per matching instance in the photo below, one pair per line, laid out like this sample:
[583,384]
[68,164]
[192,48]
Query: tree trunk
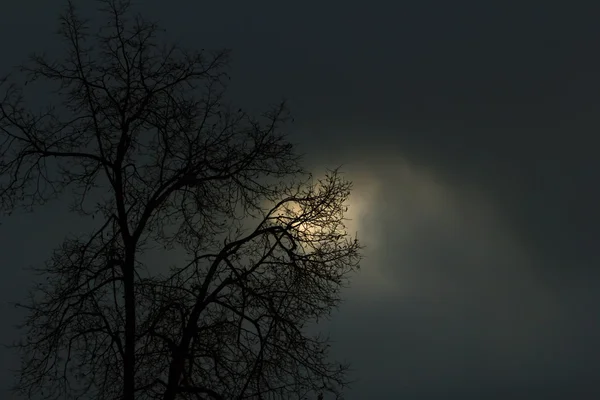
[129,362]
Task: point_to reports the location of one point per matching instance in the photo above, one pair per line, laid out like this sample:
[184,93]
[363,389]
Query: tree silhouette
[140,137]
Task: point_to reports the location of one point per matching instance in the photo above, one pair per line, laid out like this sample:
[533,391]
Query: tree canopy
[140,138]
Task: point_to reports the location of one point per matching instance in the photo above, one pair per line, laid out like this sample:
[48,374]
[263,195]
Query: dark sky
[469,128]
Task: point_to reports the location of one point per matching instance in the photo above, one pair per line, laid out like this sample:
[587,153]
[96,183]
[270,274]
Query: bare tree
[140,137]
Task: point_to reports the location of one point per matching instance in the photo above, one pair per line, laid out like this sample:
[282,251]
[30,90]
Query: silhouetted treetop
[138,135]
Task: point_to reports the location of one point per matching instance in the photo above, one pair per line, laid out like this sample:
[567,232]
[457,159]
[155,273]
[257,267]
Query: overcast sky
[470,129]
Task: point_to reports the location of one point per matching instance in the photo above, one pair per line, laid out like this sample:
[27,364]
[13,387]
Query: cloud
[447,290]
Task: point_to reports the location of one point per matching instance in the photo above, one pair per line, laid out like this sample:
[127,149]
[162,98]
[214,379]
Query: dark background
[470,130]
